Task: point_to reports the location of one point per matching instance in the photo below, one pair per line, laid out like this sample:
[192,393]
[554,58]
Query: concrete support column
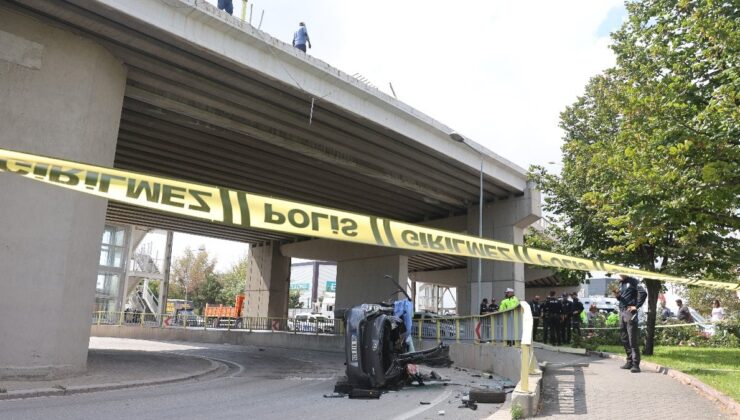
[510,218]
[268,282]
[362,280]
[457,278]
[164,285]
[61,96]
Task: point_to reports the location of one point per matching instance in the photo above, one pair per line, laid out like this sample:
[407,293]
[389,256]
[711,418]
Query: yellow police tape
[253,211]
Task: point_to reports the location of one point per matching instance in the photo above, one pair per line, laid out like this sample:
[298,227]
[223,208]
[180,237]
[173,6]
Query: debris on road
[490,396]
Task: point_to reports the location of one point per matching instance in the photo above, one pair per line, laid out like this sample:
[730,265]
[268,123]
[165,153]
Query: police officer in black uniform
[630,296]
[484,306]
[565,319]
[493,306]
[577,307]
[536,315]
[553,309]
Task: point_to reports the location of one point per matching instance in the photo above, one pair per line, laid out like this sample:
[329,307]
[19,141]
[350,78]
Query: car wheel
[489,396]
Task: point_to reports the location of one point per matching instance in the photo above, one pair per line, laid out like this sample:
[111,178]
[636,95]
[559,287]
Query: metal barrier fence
[495,327]
[302,324]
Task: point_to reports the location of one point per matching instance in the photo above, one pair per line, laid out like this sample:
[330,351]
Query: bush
[592,339]
[728,326]
[673,336]
[726,334]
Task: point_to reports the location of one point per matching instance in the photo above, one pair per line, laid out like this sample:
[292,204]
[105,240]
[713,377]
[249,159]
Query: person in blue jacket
[226,5]
[404,310]
[300,37]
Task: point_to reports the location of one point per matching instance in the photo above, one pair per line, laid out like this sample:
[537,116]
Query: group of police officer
[561,317]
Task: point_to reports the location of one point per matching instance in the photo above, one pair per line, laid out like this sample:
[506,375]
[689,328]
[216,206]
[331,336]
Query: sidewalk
[114,368]
[604,391]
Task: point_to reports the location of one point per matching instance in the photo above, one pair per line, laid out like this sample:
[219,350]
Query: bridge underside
[178,89]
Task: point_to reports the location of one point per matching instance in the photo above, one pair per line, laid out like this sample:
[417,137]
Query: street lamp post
[460,139]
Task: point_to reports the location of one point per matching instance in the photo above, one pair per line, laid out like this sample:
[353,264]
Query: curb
[559,349]
[699,387]
[81,389]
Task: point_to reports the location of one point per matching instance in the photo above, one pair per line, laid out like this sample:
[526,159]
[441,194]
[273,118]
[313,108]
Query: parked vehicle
[311,323]
[605,305]
[174,305]
[225,316]
[188,318]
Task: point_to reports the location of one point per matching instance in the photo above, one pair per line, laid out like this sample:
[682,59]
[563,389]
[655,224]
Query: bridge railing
[503,326]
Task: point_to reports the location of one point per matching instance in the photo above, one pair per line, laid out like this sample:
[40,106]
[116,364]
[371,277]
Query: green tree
[651,159]
[207,292]
[294,299]
[191,270]
[547,240]
[176,291]
[234,280]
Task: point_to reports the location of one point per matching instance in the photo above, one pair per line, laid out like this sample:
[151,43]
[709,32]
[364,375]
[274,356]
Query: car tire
[487,396]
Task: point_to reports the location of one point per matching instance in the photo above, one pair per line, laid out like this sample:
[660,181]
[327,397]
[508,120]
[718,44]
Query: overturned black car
[377,350]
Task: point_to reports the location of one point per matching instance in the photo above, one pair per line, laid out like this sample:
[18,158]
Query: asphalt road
[257,384]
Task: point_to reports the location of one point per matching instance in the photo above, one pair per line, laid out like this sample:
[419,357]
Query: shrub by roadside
[726,334]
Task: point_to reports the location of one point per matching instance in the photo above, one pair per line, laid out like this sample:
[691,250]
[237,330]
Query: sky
[498,72]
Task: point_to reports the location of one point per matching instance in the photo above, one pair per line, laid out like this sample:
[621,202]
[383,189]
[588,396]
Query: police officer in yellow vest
[510,301]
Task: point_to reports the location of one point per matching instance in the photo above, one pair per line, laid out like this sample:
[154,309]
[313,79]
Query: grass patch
[699,362]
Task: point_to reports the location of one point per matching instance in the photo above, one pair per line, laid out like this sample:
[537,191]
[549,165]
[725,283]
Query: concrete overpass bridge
[177,88]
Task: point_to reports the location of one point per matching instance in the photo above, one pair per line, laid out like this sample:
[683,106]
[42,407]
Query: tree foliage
[545,240]
[192,269]
[208,292]
[651,158]
[234,280]
[195,272]
[294,300]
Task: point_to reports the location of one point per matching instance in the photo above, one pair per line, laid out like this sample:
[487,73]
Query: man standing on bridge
[300,37]
[226,5]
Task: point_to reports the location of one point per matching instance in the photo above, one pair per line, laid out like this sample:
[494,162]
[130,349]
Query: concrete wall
[256,338]
[500,360]
[61,96]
